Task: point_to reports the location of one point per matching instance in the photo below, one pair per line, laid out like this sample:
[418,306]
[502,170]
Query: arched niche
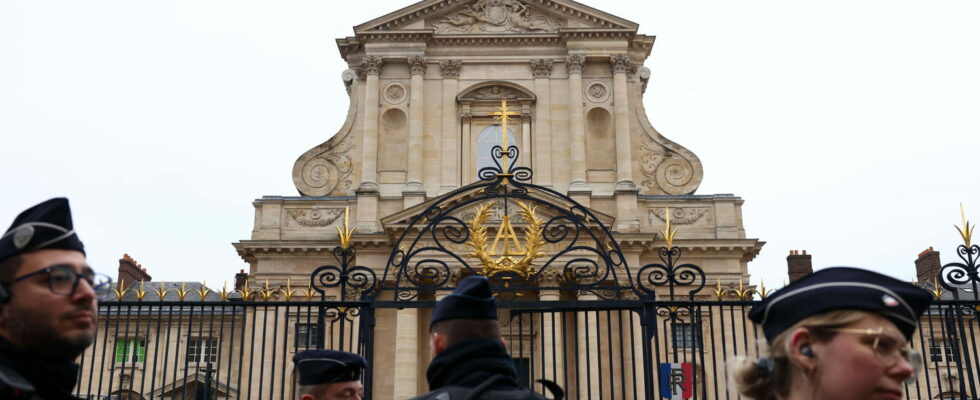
[600,145]
[393,146]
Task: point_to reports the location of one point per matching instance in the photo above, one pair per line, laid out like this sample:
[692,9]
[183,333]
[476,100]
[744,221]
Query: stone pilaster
[370,68]
[576,118]
[466,120]
[413,185]
[621,65]
[542,126]
[553,345]
[525,156]
[450,129]
[626,191]
[588,351]
[406,353]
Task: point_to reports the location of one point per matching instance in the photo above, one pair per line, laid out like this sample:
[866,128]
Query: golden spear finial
[346,232]
[668,232]
[203,290]
[936,289]
[141,292]
[224,292]
[719,292]
[966,231]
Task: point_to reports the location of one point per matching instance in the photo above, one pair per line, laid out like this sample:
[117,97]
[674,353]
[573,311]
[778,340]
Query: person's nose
[83,292]
[901,370]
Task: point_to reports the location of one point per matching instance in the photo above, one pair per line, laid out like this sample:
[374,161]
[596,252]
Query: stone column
[576,114]
[588,350]
[370,69]
[450,128]
[406,354]
[552,332]
[367,192]
[525,155]
[542,132]
[413,185]
[621,65]
[466,170]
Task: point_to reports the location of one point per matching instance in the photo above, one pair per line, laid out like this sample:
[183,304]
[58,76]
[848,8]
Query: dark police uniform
[24,375]
[475,368]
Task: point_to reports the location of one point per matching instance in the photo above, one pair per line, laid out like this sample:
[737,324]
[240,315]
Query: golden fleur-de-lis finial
[719,292]
[936,289]
[203,291]
[668,232]
[308,292]
[763,292]
[182,292]
[141,293]
[161,292]
[224,292]
[966,231]
[120,292]
[287,293]
[266,293]
[246,294]
[743,292]
[346,232]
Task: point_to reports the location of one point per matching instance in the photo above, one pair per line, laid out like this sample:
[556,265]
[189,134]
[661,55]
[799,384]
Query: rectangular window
[202,350]
[683,336]
[943,351]
[130,350]
[306,335]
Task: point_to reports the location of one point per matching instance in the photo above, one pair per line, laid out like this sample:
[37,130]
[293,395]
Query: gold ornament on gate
[515,256]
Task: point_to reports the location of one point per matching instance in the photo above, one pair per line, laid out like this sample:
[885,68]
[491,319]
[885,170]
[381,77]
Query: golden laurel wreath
[533,242]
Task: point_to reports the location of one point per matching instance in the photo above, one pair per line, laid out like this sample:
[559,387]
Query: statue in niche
[496,16]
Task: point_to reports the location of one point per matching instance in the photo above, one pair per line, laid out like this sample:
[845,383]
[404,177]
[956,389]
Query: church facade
[424,84]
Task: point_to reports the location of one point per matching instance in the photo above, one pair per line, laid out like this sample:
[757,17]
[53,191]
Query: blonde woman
[839,334]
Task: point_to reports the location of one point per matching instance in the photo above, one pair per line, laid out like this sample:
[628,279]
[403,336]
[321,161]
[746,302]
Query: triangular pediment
[455,17]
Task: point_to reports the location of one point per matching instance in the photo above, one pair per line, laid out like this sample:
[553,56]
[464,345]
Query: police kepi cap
[45,226]
[472,299]
[842,288]
[328,366]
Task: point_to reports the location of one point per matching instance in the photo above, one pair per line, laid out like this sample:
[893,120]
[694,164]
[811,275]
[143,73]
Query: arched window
[488,138]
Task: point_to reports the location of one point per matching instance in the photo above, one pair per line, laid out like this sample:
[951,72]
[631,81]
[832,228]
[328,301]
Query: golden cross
[504,115]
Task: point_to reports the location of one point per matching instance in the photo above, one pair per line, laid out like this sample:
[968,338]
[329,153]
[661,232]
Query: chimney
[798,265]
[131,272]
[240,278]
[927,265]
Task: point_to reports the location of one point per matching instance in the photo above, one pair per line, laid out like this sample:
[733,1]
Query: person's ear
[438,343]
[307,396]
[503,342]
[800,349]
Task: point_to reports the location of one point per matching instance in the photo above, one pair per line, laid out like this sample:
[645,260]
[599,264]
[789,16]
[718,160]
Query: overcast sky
[850,128]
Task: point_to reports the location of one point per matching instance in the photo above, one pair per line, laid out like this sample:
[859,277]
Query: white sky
[850,128]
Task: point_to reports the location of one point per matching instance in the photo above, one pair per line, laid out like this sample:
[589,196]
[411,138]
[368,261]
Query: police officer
[469,360]
[329,375]
[47,304]
[841,333]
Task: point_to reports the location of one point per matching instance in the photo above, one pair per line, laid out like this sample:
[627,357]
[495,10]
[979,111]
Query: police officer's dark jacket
[32,376]
[481,364]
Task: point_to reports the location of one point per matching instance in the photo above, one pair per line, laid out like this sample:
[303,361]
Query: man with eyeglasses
[47,303]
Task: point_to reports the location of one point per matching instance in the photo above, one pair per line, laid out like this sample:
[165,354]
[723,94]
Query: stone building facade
[424,82]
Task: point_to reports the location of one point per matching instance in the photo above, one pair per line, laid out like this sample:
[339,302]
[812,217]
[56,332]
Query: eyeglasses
[63,280]
[888,349]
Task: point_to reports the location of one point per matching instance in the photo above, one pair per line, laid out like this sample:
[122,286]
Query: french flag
[676,381]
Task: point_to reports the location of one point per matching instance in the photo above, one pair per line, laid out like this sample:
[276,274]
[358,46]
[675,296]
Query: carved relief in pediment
[678,215]
[496,16]
[312,218]
[495,93]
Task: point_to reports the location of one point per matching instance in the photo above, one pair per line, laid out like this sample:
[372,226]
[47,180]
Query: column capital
[525,116]
[466,117]
[621,64]
[541,68]
[417,65]
[450,68]
[369,66]
[573,63]
[551,278]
